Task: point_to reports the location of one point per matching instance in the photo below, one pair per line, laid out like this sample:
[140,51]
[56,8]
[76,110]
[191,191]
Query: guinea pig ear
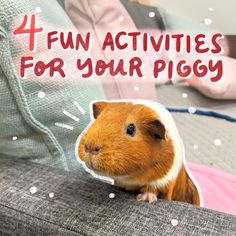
[156,129]
[98,107]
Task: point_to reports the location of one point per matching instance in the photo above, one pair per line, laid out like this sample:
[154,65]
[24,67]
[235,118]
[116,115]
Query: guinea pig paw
[147,197]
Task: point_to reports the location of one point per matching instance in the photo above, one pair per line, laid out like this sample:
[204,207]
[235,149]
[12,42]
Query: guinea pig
[137,144]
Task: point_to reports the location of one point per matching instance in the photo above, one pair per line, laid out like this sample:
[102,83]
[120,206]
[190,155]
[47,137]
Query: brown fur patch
[185,190]
[143,158]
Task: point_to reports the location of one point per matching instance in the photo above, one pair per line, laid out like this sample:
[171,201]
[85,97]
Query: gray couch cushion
[81,206]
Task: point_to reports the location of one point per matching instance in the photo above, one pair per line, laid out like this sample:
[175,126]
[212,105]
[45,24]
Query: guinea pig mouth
[89,163]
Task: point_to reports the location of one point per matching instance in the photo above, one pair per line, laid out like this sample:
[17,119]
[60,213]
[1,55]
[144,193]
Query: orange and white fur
[137,144]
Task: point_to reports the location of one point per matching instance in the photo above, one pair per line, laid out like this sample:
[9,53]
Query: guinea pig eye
[131,130]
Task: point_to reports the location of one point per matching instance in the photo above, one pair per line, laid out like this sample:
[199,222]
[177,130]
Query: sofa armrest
[81,206]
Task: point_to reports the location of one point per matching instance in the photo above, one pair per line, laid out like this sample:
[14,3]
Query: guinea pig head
[124,138]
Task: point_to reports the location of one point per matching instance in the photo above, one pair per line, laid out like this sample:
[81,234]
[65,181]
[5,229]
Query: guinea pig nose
[95,150]
[92,150]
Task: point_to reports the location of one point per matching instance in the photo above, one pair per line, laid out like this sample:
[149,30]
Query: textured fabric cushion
[81,206]
[30,108]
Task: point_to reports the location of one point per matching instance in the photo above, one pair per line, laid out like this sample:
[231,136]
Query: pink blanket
[99,18]
[218,188]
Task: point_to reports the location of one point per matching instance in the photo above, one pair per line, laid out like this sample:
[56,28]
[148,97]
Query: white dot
[174,222]
[210,8]
[208,21]
[136,88]
[38,9]
[195,147]
[184,95]
[151,14]
[33,190]
[217,142]
[14,138]
[51,195]
[41,94]
[121,18]
[112,195]
[192,110]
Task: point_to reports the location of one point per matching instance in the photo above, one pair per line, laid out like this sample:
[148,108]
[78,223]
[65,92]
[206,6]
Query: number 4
[32,30]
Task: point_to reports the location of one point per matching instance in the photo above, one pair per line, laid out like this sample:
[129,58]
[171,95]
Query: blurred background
[217,15]
[220,13]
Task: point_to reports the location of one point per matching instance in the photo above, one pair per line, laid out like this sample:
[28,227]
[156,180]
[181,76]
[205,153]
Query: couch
[81,206]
